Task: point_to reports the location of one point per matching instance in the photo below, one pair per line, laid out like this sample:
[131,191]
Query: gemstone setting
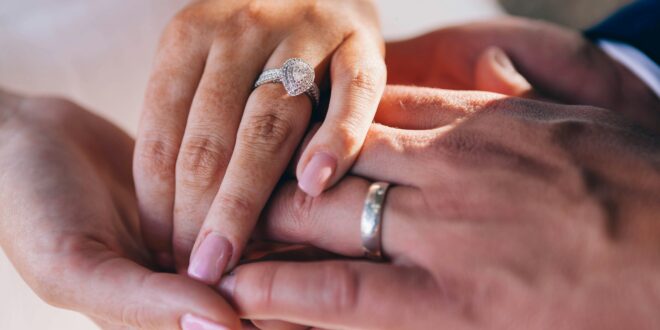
[297,76]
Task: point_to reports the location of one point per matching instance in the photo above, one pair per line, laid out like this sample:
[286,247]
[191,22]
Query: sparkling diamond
[298,76]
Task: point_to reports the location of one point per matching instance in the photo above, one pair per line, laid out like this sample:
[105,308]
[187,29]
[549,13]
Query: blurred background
[98,53]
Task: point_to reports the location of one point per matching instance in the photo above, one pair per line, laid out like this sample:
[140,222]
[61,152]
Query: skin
[69,221]
[209,155]
[506,213]
[558,63]
[102,266]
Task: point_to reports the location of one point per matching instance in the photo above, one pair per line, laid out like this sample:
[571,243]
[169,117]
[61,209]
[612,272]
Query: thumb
[495,72]
[119,292]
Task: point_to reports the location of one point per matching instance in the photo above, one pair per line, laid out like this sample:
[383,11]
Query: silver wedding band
[297,77]
[372,220]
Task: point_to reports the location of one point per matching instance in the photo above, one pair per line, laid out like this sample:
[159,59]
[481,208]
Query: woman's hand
[560,64]
[69,222]
[506,214]
[210,149]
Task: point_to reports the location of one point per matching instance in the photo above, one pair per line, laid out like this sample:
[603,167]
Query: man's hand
[69,223]
[560,64]
[505,213]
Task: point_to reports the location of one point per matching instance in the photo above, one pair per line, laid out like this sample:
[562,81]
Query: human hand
[506,214]
[559,63]
[69,222]
[210,150]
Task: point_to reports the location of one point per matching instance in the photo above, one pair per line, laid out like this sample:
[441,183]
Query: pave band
[297,77]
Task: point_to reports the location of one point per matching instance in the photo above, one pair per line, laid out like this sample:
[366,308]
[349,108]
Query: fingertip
[317,173]
[211,258]
[495,72]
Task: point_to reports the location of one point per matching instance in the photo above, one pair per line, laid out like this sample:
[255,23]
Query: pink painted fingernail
[317,173]
[211,258]
[192,322]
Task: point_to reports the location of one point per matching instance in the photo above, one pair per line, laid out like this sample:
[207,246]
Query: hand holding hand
[69,222]
[506,213]
[559,64]
[210,150]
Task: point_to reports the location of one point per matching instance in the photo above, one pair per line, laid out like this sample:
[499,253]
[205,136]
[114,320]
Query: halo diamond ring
[297,77]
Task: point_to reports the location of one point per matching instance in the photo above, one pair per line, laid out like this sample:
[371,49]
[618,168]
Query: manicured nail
[192,322]
[317,173]
[211,258]
[227,285]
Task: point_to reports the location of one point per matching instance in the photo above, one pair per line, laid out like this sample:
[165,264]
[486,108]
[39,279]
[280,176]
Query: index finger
[337,294]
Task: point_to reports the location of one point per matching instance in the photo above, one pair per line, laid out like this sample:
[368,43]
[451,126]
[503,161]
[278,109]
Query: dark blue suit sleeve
[637,24]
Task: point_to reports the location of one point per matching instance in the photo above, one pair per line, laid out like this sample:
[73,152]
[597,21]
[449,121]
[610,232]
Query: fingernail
[502,59]
[211,258]
[317,173]
[192,322]
[227,285]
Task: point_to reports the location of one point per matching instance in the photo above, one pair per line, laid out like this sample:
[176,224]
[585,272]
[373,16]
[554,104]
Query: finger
[277,325]
[335,294]
[495,72]
[211,133]
[418,108]
[178,67]
[118,291]
[331,221]
[272,126]
[358,78]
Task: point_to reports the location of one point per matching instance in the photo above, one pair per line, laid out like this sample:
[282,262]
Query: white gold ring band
[371,222]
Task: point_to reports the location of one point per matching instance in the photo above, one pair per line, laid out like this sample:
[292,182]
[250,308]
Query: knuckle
[268,131]
[569,130]
[185,25]
[156,156]
[316,11]
[238,204]
[201,159]
[347,136]
[299,212]
[252,14]
[136,314]
[458,144]
[364,81]
[133,315]
[342,286]
[264,287]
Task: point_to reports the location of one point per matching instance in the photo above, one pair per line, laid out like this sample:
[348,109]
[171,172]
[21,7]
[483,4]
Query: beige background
[98,53]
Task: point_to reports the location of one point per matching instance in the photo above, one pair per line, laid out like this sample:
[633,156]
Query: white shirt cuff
[636,61]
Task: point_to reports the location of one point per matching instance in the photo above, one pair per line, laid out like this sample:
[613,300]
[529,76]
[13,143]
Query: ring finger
[332,221]
[272,126]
